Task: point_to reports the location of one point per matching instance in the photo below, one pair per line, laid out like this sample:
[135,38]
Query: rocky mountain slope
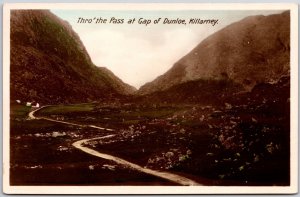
[252,51]
[49,63]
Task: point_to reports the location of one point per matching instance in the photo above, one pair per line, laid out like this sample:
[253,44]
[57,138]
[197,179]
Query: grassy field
[19,111]
[64,109]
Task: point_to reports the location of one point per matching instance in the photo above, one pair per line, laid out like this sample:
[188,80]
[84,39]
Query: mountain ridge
[50,64]
[243,51]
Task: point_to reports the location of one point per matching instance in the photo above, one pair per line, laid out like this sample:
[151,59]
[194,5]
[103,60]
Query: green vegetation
[33,126]
[19,111]
[20,124]
[125,115]
[60,38]
[130,122]
[63,109]
[155,113]
[190,123]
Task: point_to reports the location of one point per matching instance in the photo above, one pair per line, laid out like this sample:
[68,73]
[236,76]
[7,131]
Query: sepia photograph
[114,98]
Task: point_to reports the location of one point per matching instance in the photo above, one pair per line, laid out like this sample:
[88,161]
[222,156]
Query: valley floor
[205,144]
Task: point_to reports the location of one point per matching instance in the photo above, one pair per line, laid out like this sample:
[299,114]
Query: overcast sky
[137,53]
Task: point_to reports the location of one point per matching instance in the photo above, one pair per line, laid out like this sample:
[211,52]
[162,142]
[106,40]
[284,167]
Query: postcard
[150,98]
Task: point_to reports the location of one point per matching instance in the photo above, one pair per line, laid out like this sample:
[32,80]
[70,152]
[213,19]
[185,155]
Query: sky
[138,53]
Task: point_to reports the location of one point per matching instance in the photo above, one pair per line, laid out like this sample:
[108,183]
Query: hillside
[252,51]
[198,91]
[49,63]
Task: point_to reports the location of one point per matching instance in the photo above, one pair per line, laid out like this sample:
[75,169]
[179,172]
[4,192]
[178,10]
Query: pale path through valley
[79,145]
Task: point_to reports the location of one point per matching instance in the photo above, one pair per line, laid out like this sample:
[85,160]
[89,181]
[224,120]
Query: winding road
[80,145]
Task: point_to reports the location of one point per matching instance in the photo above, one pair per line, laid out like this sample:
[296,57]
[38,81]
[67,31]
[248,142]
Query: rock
[169,154]
[34,167]
[91,167]
[37,135]
[150,161]
[201,118]
[228,106]
[18,137]
[182,131]
[189,152]
[62,148]
[221,138]
[270,147]
[58,134]
[182,158]
[110,167]
[241,168]
[254,120]
[233,122]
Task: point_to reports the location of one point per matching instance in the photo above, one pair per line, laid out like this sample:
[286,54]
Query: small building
[35,104]
[28,104]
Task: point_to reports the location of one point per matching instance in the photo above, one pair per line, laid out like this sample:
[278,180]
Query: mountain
[200,91]
[118,84]
[252,51]
[49,63]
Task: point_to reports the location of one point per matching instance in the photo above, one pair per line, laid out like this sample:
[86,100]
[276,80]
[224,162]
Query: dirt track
[79,145]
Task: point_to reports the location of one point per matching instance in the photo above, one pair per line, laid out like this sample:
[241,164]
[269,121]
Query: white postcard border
[293,188]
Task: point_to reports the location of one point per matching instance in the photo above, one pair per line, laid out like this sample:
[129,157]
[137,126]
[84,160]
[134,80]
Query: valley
[209,144]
